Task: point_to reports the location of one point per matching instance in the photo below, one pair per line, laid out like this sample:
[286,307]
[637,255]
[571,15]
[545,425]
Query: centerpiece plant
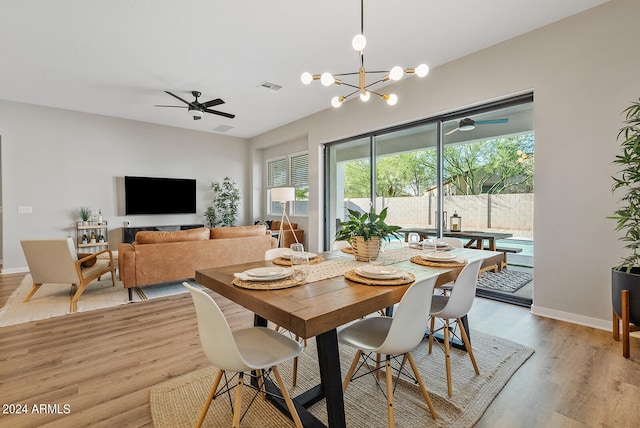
[626,275]
[364,231]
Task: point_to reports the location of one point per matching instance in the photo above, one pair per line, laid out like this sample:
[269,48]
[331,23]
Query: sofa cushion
[238,232]
[157,236]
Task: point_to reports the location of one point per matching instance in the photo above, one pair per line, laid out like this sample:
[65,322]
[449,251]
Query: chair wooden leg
[626,352]
[83,286]
[425,393]
[389,374]
[212,393]
[237,405]
[616,326]
[287,399]
[261,387]
[352,369]
[447,357]
[377,366]
[467,345]
[34,288]
[432,326]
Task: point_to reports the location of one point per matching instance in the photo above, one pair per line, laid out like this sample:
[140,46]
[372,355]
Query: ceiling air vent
[223,128]
[269,86]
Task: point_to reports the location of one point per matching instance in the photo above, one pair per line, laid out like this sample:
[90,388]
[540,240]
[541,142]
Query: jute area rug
[53,300]
[178,402]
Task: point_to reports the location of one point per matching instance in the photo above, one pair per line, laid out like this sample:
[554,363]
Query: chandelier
[363,88]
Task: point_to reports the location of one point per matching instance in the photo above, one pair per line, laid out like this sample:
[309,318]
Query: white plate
[438,256]
[267,272]
[309,255]
[379,272]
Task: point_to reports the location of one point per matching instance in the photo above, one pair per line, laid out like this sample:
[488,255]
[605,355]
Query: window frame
[290,181]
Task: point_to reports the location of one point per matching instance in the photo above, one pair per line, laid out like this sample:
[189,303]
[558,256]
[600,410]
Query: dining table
[326,301]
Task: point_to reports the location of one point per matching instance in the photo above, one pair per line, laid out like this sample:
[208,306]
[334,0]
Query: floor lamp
[283,195]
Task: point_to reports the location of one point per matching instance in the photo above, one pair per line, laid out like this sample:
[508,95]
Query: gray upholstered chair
[55,261]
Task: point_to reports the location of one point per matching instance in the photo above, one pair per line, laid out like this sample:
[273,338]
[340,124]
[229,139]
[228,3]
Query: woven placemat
[267,285]
[353,276]
[457,262]
[287,262]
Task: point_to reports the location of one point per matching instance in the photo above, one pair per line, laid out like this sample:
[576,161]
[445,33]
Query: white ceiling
[116,57]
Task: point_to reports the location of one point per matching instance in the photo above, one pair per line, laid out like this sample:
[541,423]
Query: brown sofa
[157,256]
[288,237]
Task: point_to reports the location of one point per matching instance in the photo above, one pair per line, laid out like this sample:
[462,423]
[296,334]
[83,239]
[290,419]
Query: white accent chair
[393,337]
[55,261]
[274,253]
[453,243]
[455,306]
[339,245]
[250,349]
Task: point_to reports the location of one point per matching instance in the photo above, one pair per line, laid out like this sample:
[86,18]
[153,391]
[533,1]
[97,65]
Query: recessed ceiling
[116,57]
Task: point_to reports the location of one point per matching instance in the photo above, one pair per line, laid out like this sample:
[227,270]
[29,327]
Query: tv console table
[129,233]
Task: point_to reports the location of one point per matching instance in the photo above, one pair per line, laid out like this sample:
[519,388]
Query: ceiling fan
[467,124]
[197,109]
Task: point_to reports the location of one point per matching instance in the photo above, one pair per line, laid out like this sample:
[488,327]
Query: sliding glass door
[474,166]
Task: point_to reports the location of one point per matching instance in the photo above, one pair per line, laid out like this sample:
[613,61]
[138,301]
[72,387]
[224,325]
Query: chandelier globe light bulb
[392,99]
[422,70]
[359,42]
[396,73]
[336,102]
[326,79]
[364,96]
[306,78]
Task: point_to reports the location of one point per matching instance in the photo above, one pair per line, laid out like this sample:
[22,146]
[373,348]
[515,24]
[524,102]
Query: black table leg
[330,377]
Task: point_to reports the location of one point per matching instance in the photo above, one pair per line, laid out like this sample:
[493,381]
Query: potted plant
[85,214]
[223,210]
[365,231]
[626,276]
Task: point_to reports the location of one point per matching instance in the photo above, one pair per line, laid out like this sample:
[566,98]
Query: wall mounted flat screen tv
[149,195]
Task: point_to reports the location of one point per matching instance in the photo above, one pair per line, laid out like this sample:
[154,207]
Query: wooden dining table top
[317,307]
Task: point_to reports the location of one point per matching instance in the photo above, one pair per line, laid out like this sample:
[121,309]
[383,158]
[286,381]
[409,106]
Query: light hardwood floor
[103,363]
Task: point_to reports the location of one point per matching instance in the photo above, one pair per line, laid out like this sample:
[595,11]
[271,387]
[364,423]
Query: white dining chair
[453,243]
[274,253]
[393,337]
[257,349]
[455,306]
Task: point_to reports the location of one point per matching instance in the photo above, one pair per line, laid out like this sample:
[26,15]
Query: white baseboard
[24,269]
[572,318]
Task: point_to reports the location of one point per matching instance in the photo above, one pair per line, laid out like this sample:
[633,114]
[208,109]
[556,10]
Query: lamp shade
[283,194]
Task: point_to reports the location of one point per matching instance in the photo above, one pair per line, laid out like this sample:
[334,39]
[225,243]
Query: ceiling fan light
[422,70]
[306,78]
[326,79]
[396,73]
[466,124]
[195,113]
[359,42]
[365,96]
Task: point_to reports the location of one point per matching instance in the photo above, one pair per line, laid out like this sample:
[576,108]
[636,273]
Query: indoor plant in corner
[365,232]
[223,210]
[626,276]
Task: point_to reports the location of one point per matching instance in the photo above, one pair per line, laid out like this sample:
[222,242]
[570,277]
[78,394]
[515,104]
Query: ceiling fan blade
[212,103]
[491,121]
[220,113]
[452,131]
[175,96]
[170,106]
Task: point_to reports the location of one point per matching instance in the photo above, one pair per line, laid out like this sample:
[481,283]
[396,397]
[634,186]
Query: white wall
[56,161]
[583,71]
